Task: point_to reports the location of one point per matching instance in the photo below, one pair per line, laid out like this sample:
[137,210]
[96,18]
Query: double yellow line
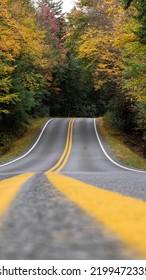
[63,160]
[10,187]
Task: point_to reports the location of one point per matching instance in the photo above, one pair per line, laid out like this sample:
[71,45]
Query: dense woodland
[89,63]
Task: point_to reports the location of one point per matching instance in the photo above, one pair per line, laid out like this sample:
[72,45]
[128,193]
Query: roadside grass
[120,149]
[18,146]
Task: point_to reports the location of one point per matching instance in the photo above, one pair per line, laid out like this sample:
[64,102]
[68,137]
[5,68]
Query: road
[67,197]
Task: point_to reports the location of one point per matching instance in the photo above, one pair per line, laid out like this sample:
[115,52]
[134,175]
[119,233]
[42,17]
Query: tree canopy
[89,63]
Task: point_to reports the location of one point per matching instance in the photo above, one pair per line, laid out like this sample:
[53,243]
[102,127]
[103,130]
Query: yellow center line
[68,151]
[63,159]
[9,188]
[65,150]
[125,216]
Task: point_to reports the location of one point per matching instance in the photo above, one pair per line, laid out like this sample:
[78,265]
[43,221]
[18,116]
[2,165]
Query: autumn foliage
[89,63]
[110,42]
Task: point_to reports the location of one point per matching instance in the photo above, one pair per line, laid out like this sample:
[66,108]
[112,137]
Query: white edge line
[121,166]
[5,164]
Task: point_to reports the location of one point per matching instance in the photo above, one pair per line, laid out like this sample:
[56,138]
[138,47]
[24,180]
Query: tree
[9,48]
[55,9]
[104,37]
[140,6]
[22,56]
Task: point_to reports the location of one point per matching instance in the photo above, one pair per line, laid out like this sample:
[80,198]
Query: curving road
[47,215]
[45,153]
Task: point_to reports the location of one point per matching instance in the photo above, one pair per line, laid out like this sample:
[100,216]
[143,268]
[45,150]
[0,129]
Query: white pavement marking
[5,164]
[109,158]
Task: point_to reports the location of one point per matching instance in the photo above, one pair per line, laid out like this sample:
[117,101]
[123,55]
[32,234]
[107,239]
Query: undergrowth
[116,142]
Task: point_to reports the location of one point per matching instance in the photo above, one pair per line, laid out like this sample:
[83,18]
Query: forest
[88,63]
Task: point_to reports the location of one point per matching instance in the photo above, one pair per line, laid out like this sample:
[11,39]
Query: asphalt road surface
[68,197]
